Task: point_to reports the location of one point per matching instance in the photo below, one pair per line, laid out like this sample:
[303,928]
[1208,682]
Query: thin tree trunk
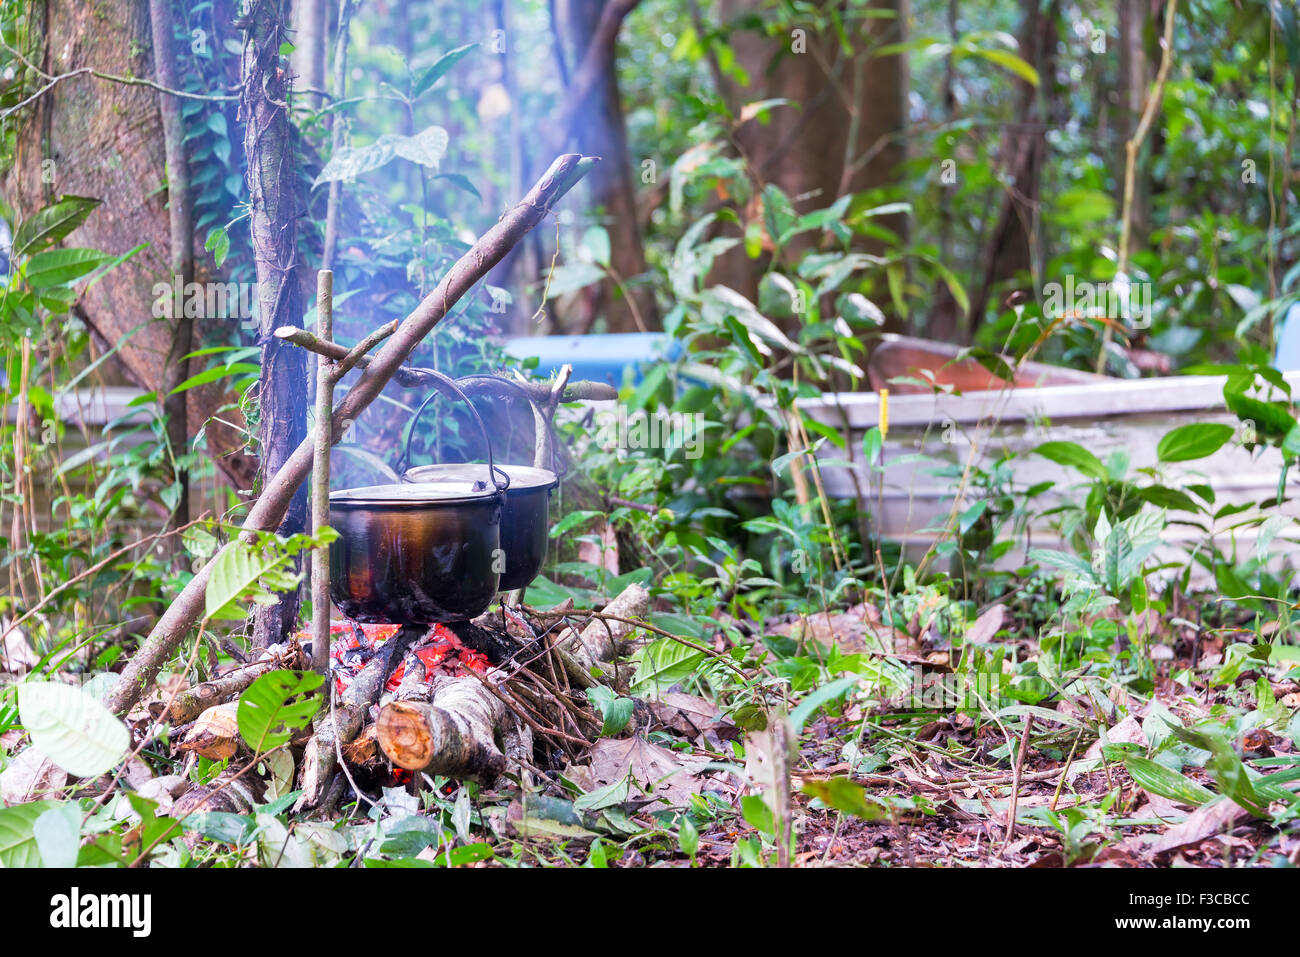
[593,122]
[1015,244]
[273,191]
[181,221]
[311,29]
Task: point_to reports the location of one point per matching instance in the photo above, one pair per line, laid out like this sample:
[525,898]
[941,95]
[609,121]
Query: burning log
[455,733]
[339,725]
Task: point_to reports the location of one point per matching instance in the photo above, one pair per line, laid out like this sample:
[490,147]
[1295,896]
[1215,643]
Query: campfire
[497,699]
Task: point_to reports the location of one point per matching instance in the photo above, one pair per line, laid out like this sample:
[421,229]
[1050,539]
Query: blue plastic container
[1288,342]
[598,358]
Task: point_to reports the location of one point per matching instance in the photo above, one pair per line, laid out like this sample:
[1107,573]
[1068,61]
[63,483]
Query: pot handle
[518,387]
[447,386]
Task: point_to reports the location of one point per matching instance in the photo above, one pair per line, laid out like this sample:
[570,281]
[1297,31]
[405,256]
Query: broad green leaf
[235,570]
[426,147]
[18,846]
[1073,455]
[1117,557]
[615,710]
[1065,561]
[58,267]
[1011,63]
[58,835]
[844,795]
[216,373]
[439,69]
[662,663]
[52,224]
[275,706]
[72,728]
[1194,441]
[827,692]
[596,241]
[1166,782]
[608,796]
[218,244]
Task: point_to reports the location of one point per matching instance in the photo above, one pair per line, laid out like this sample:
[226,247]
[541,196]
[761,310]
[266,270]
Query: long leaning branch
[269,508]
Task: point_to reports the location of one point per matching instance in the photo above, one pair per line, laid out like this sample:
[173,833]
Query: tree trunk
[1015,245]
[597,129]
[1134,82]
[311,31]
[843,131]
[92,137]
[273,191]
[181,228]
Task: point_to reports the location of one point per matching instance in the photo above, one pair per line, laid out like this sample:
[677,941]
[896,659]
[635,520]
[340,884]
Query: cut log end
[405,736]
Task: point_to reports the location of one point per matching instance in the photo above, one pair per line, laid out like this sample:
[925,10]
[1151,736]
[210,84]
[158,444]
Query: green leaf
[572,520]
[1117,556]
[1194,441]
[1073,455]
[608,796]
[827,692]
[18,846]
[235,571]
[52,224]
[58,835]
[844,795]
[1011,63]
[218,244]
[439,69]
[1225,767]
[1066,562]
[275,706]
[616,711]
[1271,419]
[756,812]
[72,728]
[215,373]
[1166,782]
[662,663]
[426,147]
[461,182]
[596,241]
[58,267]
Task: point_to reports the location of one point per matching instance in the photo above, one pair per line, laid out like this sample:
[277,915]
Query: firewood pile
[499,700]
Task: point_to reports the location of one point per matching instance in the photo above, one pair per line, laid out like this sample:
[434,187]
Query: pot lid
[522,477]
[443,490]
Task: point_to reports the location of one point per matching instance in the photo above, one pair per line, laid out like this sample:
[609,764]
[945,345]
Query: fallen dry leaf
[215,733]
[30,776]
[1206,821]
[662,773]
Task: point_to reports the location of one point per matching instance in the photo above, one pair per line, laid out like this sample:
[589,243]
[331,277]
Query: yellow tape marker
[883,422]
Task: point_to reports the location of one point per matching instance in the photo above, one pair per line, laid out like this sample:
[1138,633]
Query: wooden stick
[270,507]
[188,705]
[320,479]
[413,377]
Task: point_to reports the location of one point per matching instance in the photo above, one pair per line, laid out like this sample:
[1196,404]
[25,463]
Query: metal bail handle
[538,418]
[448,387]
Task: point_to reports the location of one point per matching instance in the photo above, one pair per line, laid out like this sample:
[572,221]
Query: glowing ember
[440,652]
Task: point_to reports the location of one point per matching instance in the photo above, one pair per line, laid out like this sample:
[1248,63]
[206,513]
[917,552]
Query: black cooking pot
[419,554]
[524,523]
